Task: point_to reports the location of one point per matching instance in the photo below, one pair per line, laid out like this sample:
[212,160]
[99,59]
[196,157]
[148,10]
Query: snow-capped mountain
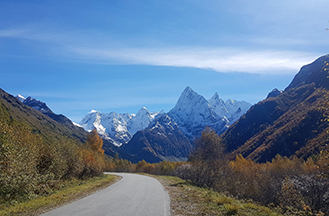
[191,114]
[140,121]
[118,128]
[232,110]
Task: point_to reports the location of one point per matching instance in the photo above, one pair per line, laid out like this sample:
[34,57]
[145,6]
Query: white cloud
[218,59]
[221,59]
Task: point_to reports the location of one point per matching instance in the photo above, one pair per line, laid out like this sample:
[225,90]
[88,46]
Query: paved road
[134,195]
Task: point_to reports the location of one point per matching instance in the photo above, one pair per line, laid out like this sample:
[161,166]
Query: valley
[277,146]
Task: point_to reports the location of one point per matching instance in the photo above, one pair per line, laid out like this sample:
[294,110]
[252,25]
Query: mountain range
[149,135]
[192,114]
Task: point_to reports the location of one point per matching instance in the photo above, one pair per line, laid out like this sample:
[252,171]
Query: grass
[188,199]
[71,190]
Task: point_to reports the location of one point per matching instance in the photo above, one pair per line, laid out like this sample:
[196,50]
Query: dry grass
[71,191]
[187,199]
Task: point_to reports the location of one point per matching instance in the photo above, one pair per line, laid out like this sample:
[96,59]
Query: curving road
[134,195]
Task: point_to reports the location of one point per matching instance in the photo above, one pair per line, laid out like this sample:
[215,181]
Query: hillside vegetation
[292,123]
[290,186]
[37,153]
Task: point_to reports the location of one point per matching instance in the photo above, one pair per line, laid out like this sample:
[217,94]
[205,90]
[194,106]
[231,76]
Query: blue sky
[121,55]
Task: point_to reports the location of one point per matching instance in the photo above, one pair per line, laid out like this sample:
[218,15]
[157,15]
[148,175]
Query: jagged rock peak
[143,111]
[35,104]
[215,99]
[188,99]
[275,92]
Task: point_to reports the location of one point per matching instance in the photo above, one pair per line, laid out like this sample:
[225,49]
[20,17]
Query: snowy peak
[111,126]
[34,103]
[140,121]
[193,113]
[191,104]
[218,105]
[190,101]
[231,109]
[94,111]
[142,113]
[118,128]
[20,98]
[88,120]
[216,99]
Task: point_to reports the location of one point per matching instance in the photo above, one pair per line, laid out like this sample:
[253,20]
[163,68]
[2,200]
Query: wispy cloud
[218,59]
[221,59]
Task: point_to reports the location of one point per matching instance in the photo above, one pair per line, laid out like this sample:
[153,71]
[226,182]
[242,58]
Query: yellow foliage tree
[95,142]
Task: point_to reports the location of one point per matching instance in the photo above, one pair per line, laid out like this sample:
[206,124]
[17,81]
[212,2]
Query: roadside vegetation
[33,165]
[188,199]
[291,186]
[69,191]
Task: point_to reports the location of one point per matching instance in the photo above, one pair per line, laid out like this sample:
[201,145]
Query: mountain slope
[43,108]
[291,123]
[12,109]
[162,140]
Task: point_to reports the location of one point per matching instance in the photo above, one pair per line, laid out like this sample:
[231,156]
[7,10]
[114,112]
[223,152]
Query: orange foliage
[95,142]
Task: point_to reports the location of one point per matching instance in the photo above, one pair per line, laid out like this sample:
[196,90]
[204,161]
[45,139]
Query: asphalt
[133,195]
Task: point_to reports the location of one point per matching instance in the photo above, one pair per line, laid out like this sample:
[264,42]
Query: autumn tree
[208,147]
[207,159]
[95,142]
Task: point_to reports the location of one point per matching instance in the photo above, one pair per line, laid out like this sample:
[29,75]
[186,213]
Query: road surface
[133,195]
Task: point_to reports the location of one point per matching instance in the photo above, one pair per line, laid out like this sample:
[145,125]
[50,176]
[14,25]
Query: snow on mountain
[35,104]
[231,109]
[161,140]
[76,124]
[21,98]
[118,128]
[192,113]
[140,121]
[218,105]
